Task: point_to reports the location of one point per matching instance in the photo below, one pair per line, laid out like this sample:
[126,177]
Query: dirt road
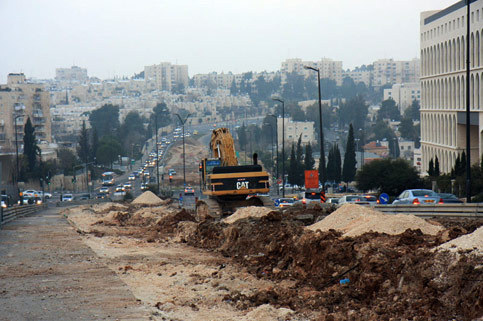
[48,273]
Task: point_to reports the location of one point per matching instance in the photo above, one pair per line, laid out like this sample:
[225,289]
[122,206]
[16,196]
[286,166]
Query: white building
[443,84]
[167,76]
[293,130]
[73,74]
[388,71]
[404,94]
[328,68]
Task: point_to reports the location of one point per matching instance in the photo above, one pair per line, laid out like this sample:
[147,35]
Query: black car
[84,197]
[101,195]
[449,198]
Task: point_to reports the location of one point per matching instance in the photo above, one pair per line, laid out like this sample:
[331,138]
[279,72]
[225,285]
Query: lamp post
[157,151]
[283,144]
[362,146]
[184,163]
[276,146]
[321,134]
[468,106]
[16,153]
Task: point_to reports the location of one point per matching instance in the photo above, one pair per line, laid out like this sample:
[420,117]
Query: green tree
[413,111]
[300,162]
[389,110]
[431,168]
[83,149]
[309,161]
[292,170]
[67,160]
[407,129]
[105,120]
[338,164]
[349,168]
[436,167]
[163,115]
[242,136]
[109,150]
[354,112]
[391,176]
[94,146]
[330,165]
[30,148]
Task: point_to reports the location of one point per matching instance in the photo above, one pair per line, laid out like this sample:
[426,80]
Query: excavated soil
[322,273]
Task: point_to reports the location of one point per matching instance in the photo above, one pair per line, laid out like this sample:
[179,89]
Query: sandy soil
[182,282]
[195,151]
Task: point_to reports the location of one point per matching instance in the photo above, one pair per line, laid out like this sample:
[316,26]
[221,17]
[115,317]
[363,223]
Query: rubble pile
[148,198]
[245,212]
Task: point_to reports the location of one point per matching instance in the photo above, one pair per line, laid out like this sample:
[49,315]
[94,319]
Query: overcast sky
[120,37]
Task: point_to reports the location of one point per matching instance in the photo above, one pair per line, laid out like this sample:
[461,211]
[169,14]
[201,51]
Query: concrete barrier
[472,210]
[11,213]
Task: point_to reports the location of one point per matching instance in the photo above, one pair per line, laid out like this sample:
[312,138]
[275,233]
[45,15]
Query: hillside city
[310,192]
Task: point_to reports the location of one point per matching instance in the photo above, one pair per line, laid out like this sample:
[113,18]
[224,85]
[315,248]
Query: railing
[473,210]
[11,213]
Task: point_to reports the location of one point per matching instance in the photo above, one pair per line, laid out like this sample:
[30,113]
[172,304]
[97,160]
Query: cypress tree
[292,170]
[94,145]
[349,167]
[83,150]
[330,165]
[431,168]
[436,167]
[338,164]
[30,148]
[309,161]
[462,164]
[299,180]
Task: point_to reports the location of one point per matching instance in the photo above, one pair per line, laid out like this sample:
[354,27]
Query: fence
[11,213]
[472,210]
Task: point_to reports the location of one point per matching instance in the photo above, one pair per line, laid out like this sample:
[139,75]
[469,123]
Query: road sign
[279,181]
[277,202]
[383,198]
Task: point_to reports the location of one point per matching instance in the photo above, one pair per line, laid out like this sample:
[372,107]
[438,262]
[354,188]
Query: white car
[104,190]
[131,177]
[67,198]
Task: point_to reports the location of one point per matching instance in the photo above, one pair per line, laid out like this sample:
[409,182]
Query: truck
[226,184]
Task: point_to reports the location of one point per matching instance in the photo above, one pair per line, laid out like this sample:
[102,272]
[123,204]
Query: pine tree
[436,167]
[338,164]
[31,150]
[431,168]
[463,164]
[309,161]
[83,150]
[349,168]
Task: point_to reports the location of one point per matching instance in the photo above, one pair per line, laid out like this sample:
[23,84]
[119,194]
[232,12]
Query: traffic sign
[383,198]
[279,181]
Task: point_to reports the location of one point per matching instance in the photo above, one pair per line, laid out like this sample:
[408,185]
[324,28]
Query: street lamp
[276,146]
[283,144]
[184,163]
[321,135]
[16,153]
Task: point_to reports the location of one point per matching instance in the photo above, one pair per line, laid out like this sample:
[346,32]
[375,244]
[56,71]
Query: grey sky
[120,37]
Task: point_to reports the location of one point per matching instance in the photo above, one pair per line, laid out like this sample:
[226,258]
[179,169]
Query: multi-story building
[73,74]
[19,100]
[404,94]
[360,75]
[388,72]
[328,68]
[443,38]
[293,130]
[167,76]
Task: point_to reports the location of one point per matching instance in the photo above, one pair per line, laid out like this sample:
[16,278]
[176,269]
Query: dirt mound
[104,208]
[266,312]
[245,212]
[355,220]
[169,222]
[115,218]
[148,198]
[469,242]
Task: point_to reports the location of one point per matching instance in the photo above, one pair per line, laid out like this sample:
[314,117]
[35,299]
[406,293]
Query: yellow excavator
[227,184]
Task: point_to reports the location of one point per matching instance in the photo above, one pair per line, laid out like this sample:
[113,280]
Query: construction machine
[227,184]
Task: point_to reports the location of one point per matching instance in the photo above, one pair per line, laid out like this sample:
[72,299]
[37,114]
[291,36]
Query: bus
[108,179]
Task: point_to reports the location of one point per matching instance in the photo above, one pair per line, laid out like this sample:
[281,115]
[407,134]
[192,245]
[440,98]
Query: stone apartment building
[73,74]
[293,130]
[404,94]
[328,68]
[166,76]
[20,100]
[388,71]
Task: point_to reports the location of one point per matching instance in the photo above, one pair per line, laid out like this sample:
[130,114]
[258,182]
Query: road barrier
[472,210]
[10,213]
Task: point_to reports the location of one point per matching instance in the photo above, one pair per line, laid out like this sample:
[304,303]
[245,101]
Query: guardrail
[472,210]
[11,213]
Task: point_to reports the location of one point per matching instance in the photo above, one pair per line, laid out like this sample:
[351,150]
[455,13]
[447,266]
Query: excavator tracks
[208,208]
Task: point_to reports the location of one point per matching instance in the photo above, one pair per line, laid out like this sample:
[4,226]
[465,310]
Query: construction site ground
[125,261]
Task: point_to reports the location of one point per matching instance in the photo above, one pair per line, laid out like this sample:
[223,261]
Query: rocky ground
[278,267]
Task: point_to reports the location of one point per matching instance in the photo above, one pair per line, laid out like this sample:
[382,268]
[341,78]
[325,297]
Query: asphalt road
[48,273]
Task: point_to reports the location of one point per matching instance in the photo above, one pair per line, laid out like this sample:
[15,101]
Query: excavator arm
[223,147]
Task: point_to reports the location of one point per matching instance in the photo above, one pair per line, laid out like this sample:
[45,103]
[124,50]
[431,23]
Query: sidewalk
[47,273]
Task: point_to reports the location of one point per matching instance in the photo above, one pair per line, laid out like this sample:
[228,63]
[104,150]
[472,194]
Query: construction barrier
[472,210]
[10,213]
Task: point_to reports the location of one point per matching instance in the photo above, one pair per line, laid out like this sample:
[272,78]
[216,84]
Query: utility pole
[468,140]
[184,158]
[283,144]
[157,153]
